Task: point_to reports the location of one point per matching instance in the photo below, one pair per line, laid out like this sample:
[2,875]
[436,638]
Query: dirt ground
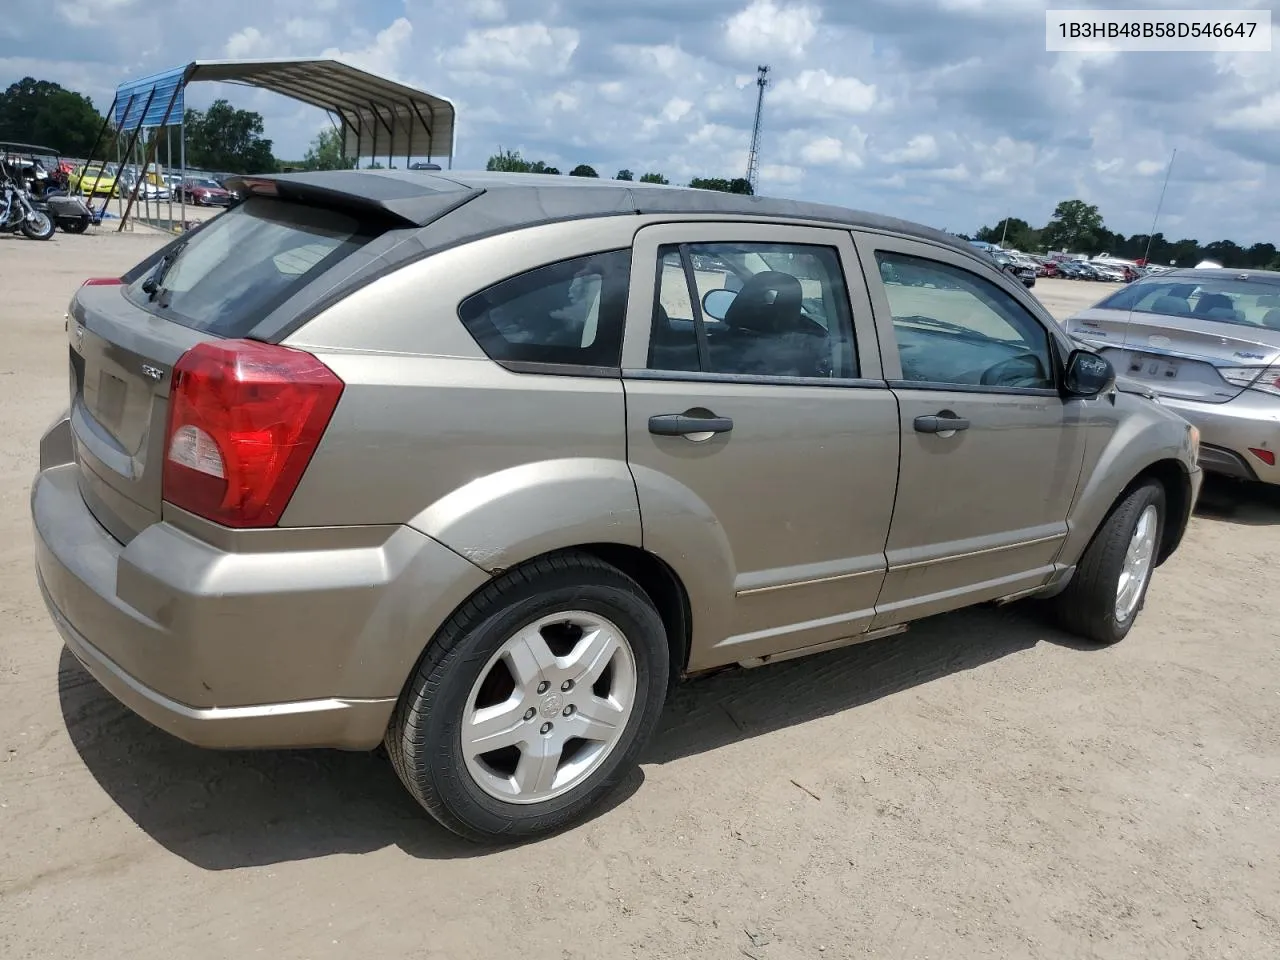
[980,786]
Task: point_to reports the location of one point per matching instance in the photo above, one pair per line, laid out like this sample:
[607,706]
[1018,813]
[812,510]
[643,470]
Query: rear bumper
[303,641]
[1230,431]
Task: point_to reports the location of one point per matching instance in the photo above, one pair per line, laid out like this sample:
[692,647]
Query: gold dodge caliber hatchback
[477,465]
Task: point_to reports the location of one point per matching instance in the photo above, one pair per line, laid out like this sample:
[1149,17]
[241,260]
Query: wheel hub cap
[549,707]
[1138,562]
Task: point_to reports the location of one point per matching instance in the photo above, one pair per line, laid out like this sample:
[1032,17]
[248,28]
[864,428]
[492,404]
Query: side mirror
[1088,374]
[716,303]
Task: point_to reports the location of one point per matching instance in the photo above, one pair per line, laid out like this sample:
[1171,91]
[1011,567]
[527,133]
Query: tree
[325,152]
[1261,255]
[226,139]
[1076,226]
[624,174]
[1012,232]
[736,185]
[653,178]
[508,161]
[43,113]
[582,170]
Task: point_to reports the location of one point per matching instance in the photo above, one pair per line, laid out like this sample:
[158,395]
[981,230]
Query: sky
[947,112]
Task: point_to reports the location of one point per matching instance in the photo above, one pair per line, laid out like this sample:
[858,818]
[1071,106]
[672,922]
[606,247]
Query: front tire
[533,701]
[39,227]
[1110,584]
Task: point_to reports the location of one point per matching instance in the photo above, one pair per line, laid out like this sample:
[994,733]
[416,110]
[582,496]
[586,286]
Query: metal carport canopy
[380,117]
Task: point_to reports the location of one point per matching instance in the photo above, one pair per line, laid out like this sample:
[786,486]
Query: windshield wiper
[957,329]
[152,285]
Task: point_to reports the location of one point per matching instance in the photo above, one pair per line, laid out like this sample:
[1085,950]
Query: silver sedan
[1207,343]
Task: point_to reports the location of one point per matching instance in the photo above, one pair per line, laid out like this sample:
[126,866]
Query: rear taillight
[1266,379]
[244,420]
[102,282]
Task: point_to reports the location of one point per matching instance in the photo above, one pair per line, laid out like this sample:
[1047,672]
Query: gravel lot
[980,786]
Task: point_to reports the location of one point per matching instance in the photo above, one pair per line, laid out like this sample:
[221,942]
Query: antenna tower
[753,158]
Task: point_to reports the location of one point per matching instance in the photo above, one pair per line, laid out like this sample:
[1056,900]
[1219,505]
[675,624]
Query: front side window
[565,313]
[954,327]
[752,309]
[1226,300]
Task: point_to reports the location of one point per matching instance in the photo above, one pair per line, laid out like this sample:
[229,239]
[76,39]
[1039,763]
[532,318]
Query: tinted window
[233,272]
[569,312]
[1227,300]
[954,327]
[765,309]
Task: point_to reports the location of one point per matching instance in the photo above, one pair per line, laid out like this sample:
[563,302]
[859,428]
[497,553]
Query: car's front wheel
[534,701]
[1110,584]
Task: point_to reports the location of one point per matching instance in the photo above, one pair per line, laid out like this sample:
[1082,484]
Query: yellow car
[93,178]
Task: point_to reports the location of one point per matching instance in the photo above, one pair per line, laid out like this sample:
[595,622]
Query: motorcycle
[19,214]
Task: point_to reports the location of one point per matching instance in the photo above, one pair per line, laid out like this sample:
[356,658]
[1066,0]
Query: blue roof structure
[151,101]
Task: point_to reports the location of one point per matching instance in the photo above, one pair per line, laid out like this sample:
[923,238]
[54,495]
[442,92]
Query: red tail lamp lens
[245,419]
[1266,456]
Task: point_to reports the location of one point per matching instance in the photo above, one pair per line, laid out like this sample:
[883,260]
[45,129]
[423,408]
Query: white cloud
[827,151]
[520,47]
[676,109]
[247,44]
[818,92]
[491,10]
[1148,168]
[767,29]
[922,148]
[781,173]
[1256,118]
[383,54]
[84,13]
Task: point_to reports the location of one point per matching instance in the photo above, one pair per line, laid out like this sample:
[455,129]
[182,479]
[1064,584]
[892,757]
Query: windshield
[1228,300]
[230,274]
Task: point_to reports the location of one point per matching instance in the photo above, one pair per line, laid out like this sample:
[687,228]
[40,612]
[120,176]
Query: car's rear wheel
[533,702]
[1110,584]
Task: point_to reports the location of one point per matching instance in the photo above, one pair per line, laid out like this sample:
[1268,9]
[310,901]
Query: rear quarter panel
[499,466]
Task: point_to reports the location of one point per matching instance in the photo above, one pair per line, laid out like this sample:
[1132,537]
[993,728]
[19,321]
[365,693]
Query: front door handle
[944,422]
[683,425]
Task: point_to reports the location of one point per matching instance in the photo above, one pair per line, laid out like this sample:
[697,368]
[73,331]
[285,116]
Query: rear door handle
[682,425]
[945,422]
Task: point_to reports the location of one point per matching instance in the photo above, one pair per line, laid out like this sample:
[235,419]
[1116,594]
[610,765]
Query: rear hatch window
[226,277]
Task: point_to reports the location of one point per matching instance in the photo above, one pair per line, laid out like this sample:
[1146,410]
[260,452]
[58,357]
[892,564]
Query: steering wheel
[1013,372]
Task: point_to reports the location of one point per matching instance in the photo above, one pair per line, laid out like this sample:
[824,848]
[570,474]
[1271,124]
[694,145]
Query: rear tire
[500,741]
[1110,584]
[76,226]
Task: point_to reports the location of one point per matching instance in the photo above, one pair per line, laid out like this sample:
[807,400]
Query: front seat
[768,334]
[768,303]
[1271,319]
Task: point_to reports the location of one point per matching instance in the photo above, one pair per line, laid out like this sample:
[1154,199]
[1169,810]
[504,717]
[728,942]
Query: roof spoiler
[362,193]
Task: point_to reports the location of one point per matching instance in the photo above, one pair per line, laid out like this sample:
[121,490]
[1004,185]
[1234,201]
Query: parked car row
[476,471]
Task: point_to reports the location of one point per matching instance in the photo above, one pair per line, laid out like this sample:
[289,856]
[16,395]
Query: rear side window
[239,268]
[568,313]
